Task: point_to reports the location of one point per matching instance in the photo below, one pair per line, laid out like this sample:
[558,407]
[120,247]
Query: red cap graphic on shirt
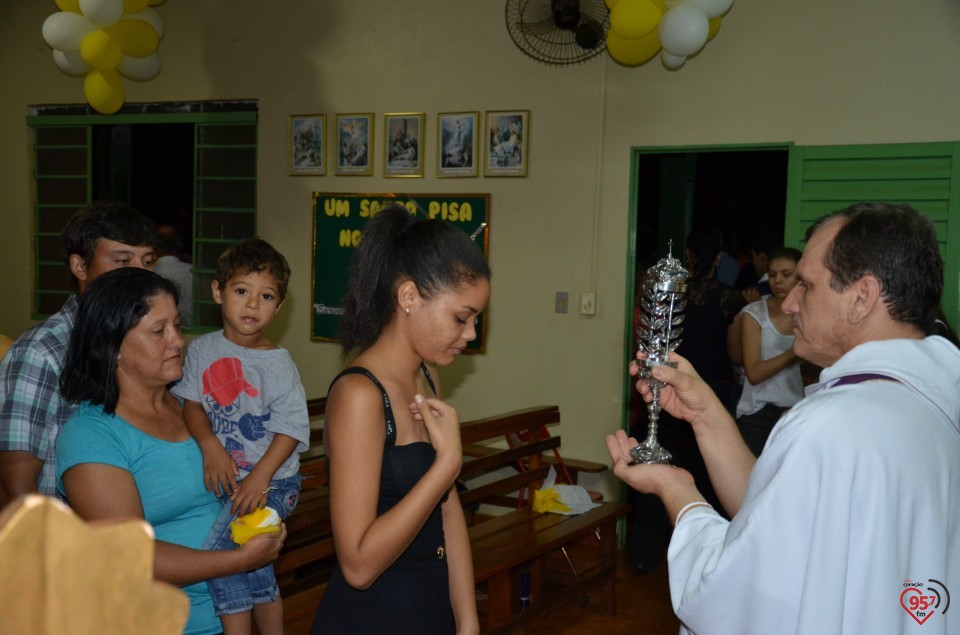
[224,381]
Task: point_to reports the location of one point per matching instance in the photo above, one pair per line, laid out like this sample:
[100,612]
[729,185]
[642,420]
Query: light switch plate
[588,303]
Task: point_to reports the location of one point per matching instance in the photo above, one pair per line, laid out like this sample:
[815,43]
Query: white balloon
[684,30]
[671,61]
[103,13]
[65,30]
[71,63]
[140,69]
[150,16]
[711,8]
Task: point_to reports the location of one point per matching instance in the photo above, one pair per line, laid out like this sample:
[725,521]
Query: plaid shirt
[31,410]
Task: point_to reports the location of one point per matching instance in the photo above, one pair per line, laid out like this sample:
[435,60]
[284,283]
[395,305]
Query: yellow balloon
[73,6]
[633,19]
[714,27]
[132,6]
[104,91]
[101,51]
[632,52]
[151,17]
[136,37]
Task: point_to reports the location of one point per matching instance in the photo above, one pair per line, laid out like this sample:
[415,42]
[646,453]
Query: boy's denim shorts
[238,593]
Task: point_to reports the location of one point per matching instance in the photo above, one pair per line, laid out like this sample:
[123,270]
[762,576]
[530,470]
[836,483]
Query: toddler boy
[246,407]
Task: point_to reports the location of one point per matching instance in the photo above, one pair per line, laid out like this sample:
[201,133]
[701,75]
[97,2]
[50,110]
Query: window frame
[51,201]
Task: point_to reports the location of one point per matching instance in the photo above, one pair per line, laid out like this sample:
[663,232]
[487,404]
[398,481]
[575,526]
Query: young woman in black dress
[393,447]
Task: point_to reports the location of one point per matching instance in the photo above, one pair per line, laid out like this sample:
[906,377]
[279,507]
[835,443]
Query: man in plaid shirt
[96,239]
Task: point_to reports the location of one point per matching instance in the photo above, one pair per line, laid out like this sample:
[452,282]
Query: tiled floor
[643,608]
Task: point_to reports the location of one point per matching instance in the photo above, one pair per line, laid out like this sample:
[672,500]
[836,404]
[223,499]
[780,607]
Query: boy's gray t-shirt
[249,395]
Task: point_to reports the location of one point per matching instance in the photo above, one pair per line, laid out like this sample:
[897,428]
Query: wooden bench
[563,555]
[568,470]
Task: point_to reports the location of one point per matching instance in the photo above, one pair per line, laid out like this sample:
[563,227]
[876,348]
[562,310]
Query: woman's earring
[406,310]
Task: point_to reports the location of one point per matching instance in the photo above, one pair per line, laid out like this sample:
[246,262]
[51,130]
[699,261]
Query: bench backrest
[505,476]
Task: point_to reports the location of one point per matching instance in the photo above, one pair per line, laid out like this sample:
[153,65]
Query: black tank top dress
[413,595]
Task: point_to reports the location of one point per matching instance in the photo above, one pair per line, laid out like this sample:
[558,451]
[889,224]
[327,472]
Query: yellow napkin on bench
[561,499]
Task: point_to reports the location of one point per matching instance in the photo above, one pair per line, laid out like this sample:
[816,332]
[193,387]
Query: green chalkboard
[338,220]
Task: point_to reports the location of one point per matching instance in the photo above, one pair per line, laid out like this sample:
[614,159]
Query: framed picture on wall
[403,144]
[354,144]
[457,144]
[308,145]
[508,139]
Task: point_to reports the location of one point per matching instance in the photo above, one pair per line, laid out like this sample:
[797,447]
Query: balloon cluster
[100,40]
[677,29]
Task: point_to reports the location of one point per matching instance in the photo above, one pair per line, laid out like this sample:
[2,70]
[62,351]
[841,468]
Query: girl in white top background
[773,382]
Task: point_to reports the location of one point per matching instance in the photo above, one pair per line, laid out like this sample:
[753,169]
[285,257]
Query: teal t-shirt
[169,477]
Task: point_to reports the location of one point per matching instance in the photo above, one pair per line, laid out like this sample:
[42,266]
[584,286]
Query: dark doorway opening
[150,166]
[742,193]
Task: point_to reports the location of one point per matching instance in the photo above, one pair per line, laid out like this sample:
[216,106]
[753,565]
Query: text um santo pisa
[453,211]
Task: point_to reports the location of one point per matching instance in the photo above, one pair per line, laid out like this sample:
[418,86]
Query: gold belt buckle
[441,553]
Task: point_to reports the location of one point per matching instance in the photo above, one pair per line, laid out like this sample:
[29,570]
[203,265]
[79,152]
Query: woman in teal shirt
[126,451]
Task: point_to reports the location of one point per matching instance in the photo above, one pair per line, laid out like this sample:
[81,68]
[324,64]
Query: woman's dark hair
[396,246]
[897,245]
[114,303]
[705,244]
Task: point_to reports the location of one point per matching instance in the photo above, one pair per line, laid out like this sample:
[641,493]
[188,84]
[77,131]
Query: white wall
[815,72]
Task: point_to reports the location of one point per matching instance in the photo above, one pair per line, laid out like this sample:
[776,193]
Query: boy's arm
[219,469]
[252,491]
[290,425]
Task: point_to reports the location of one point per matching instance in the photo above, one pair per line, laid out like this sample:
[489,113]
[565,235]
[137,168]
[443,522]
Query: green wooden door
[823,179]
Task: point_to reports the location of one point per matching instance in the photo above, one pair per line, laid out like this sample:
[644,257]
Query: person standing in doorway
[172,268]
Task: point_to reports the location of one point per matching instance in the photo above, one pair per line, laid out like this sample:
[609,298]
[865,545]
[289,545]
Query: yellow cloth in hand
[262,521]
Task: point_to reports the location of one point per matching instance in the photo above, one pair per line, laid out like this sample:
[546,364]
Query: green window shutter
[63,184]
[823,179]
[225,205]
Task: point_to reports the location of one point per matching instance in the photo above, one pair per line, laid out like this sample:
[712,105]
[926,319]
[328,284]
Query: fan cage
[531,26]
